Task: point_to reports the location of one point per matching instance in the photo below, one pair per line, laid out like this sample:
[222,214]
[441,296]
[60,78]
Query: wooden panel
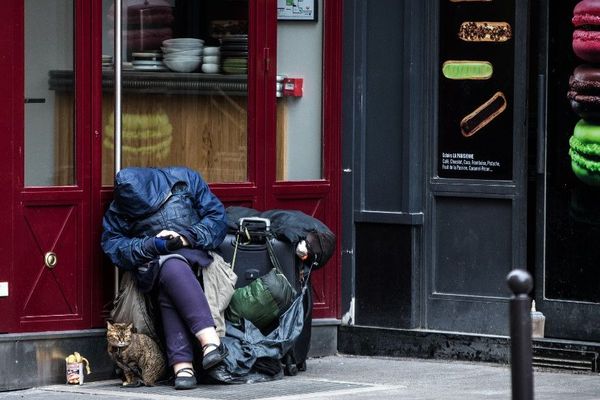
[206,133]
[64,117]
[50,294]
[281,141]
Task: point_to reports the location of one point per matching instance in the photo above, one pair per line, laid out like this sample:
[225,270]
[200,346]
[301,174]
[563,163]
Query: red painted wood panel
[9,106]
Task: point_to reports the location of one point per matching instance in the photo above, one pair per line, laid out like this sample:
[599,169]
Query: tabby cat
[138,355]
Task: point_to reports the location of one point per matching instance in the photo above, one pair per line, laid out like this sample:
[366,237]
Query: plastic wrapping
[255,357]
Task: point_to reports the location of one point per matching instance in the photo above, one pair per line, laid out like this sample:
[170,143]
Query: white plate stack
[183,54]
[148,61]
[107,61]
[211,63]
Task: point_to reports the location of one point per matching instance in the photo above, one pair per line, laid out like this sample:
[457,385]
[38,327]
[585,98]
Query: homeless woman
[161,221]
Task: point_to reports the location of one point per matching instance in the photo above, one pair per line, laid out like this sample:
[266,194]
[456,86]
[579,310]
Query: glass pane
[49,104]
[572,212]
[185,65]
[299,125]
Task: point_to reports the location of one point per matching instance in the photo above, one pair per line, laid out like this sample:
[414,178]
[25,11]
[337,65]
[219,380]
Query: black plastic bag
[292,226]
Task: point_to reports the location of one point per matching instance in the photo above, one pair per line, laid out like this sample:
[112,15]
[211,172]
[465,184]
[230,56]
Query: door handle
[50,259]
[541,124]
[34,100]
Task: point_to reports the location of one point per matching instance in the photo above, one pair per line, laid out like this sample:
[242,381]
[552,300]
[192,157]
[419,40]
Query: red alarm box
[292,87]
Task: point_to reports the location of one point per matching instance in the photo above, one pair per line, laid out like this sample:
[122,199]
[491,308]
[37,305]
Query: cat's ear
[108,325]
[130,326]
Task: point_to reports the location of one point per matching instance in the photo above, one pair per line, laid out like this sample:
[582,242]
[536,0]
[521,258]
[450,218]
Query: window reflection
[49,114]
[184,93]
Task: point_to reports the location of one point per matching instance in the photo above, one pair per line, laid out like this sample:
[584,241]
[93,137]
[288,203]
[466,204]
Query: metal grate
[263,390]
[572,360]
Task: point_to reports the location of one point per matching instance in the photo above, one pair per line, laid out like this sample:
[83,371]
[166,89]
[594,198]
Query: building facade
[434,145]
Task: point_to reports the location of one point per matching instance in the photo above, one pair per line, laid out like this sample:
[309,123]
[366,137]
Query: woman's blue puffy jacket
[148,200]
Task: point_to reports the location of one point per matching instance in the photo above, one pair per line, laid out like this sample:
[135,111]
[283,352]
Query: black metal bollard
[521,283]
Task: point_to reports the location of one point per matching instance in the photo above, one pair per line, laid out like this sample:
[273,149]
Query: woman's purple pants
[183,307]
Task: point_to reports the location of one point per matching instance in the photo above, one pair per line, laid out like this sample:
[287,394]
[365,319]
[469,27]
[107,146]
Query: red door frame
[320,198]
[10,112]
[77,196]
[101,270]
[252,193]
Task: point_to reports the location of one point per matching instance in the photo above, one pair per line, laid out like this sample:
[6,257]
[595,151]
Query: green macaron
[585,152]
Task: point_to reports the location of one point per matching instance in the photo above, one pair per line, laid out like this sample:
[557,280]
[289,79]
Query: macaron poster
[476,80]
[584,93]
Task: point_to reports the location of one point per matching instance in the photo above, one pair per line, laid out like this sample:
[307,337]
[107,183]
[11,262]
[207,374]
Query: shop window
[49,116]
[299,95]
[184,89]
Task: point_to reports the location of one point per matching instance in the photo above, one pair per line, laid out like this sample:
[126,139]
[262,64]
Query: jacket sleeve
[211,230]
[125,252]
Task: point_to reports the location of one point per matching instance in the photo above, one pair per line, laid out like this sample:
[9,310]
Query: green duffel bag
[262,301]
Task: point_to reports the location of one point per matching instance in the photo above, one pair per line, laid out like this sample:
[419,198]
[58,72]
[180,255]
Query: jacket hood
[140,191]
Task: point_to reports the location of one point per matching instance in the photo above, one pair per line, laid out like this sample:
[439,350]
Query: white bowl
[183,51]
[212,51]
[212,59]
[183,58]
[210,68]
[178,65]
[177,49]
[183,42]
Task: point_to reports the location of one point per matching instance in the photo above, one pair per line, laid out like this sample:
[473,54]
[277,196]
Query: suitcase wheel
[289,367]
[290,370]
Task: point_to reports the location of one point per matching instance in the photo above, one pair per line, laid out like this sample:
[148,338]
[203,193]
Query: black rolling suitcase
[248,252]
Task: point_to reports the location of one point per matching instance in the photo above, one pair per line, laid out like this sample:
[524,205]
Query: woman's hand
[167,234]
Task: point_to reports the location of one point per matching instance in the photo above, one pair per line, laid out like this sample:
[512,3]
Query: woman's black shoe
[187,381]
[215,356]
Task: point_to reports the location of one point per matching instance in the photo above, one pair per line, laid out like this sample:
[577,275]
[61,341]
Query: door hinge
[267,59]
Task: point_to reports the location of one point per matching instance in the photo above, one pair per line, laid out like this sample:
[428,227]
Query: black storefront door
[476,214]
[568,207]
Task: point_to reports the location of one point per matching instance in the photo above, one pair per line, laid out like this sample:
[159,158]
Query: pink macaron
[586,37]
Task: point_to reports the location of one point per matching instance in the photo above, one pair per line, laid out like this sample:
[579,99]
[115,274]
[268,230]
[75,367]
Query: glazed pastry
[586,36]
[584,149]
[464,69]
[144,135]
[484,31]
[483,115]
[584,92]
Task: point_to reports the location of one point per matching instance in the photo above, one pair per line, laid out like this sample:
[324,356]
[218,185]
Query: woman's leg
[185,310]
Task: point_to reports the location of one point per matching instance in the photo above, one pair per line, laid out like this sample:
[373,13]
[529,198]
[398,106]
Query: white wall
[299,55]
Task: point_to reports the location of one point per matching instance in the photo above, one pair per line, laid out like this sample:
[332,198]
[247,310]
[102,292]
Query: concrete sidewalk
[349,377]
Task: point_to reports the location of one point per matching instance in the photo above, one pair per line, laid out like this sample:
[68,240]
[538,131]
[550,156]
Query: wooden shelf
[161,82]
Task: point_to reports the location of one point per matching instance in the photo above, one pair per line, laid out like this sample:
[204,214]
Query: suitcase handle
[249,220]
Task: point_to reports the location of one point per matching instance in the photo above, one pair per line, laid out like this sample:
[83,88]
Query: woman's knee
[175,268]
